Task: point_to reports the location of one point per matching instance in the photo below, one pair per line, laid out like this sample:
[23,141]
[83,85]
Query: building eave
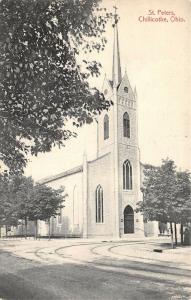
[69,172]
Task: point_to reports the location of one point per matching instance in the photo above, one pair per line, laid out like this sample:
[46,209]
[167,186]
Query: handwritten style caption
[160,16]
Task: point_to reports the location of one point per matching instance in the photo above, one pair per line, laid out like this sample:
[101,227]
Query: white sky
[157,59]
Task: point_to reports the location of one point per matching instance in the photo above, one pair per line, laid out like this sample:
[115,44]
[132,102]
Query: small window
[127,175]
[106,127]
[126,125]
[99,204]
[126,89]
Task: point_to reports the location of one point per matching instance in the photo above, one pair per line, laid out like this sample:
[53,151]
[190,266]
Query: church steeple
[116,71]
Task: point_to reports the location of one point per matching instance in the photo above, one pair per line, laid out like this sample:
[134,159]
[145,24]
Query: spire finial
[115,15]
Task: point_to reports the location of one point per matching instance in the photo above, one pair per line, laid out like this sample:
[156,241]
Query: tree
[183,205]
[166,195]
[160,193]
[3,199]
[159,187]
[24,199]
[20,200]
[46,204]
[15,199]
[42,80]
[7,207]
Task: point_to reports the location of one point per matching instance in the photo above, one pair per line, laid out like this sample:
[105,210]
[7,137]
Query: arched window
[99,204]
[127,176]
[126,89]
[106,127]
[126,125]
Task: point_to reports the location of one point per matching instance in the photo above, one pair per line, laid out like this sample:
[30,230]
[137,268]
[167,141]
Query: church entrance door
[128,219]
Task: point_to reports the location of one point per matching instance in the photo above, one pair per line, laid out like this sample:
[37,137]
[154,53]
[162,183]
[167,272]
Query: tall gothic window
[106,127]
[127,175]
[126,125]
[99,204]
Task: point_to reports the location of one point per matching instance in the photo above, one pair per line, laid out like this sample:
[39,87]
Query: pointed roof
[116,71]
[125,83]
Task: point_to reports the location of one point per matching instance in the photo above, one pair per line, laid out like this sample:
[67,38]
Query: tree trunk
[6,230]
[181,233]
[25,228]
[171,232]
[0,231]
[36,229]
[49,229]
[22,229]
[175,233]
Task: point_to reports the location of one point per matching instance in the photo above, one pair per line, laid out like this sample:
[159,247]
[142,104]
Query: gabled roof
[69,172]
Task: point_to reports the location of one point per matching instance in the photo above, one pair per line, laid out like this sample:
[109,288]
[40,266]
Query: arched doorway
[128,219]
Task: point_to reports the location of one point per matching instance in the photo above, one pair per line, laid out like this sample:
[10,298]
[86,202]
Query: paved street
[93,269]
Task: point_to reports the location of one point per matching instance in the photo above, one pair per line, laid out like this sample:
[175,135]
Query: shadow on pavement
[25,280]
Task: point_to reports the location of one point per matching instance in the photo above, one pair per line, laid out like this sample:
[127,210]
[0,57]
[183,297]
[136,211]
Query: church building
[102,193]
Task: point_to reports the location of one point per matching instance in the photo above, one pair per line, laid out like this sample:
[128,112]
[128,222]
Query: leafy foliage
[42,84]
[46,202]
[183,201]
[23,196]
[166,194]
[7,205]
[20,199]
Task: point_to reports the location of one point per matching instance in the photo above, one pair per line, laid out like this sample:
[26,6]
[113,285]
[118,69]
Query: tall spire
[116,71]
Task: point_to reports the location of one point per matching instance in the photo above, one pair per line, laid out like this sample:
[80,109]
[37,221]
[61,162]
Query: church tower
[102,193]
[117,134]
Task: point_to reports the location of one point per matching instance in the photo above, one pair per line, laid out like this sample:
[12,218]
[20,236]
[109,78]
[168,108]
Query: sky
[156,56]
